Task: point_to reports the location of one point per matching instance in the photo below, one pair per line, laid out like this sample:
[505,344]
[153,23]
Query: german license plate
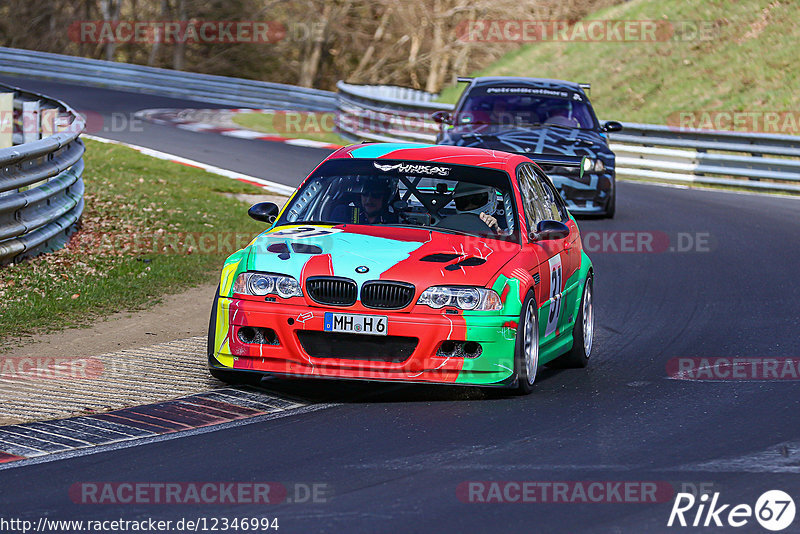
[356,324]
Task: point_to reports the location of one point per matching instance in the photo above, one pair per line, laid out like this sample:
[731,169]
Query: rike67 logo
[774,510]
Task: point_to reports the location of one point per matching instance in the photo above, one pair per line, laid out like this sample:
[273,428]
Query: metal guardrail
[386,113]
[223,90]
[644,151]
[735,159]
[41,184]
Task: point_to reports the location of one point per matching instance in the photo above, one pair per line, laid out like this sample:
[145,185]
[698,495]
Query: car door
[572,249]
[552,259]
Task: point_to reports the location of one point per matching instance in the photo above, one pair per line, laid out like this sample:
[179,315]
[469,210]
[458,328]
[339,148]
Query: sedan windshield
[494,106]
[448,198]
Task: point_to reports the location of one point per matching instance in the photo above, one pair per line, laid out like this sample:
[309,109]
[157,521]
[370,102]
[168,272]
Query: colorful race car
[550,121]
[408,263]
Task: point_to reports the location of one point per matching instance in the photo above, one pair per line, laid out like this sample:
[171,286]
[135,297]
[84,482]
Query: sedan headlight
[599,166]
[593,165]
[465,298]
[259,285]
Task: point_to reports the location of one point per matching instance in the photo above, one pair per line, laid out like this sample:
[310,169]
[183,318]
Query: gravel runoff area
[51,387]
[129,359]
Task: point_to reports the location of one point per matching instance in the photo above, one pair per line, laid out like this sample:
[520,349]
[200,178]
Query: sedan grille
[332,290]
[386,295]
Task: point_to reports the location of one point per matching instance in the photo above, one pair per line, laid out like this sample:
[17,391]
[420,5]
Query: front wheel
[228,376]
[583,331]
[526,360]
[611,206]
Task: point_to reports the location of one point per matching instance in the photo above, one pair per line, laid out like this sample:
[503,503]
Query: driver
[373,208]
[560,114]
[501,113]
[478,200]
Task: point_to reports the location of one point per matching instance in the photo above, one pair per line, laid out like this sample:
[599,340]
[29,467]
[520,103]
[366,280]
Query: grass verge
[150,228]
[311,125]
[744,62]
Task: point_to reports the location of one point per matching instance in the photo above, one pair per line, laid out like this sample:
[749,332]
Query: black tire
[526,349]
[225,375]
[578,356]
[611,206]
[212,327]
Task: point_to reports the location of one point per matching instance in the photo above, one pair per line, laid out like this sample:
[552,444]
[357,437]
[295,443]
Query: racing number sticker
[304,232]
[556,286]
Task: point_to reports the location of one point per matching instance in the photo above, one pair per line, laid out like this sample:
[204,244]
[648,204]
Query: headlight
[267,284]
[593,165]
[599,166]
[465,298]
[286,286]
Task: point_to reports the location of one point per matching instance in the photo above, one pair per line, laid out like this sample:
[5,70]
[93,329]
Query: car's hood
[530,141]
[362,253]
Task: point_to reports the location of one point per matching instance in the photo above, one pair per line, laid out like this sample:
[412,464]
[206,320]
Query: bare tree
[110,10]
[179,48]
[403,42]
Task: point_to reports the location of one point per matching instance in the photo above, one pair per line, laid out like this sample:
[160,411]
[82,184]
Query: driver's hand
[490,221]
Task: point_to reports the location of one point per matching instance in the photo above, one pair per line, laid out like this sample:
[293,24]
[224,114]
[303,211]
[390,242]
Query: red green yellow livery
[413,263]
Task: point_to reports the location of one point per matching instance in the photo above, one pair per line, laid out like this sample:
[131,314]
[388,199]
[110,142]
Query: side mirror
[442,117]
[612,126]
[548,230]
[264,211]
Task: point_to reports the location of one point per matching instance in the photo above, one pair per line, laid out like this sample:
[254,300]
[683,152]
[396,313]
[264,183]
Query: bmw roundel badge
[361,269]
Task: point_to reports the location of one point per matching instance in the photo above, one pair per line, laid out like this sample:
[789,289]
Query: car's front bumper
[590,194]
[496,335]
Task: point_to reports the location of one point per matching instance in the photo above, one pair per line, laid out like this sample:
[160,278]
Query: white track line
[273,187]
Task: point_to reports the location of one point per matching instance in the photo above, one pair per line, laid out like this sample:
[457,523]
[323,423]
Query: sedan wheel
[588,320]
[582,331]
[527,347]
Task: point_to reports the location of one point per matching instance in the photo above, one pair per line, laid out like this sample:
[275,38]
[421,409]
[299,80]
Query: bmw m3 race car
[413,263]
[550,121]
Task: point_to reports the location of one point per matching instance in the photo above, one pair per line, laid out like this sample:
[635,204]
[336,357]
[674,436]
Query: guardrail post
[31,126]
[6,119]
[49,118]
[41,186]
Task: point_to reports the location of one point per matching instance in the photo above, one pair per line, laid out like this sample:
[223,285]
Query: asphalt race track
[280,163]
[392,458]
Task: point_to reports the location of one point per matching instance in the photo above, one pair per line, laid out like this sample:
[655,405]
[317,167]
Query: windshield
[448,198]
[522,106]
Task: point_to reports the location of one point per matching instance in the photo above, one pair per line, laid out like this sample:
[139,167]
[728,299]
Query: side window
[552,201]
[532,196]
